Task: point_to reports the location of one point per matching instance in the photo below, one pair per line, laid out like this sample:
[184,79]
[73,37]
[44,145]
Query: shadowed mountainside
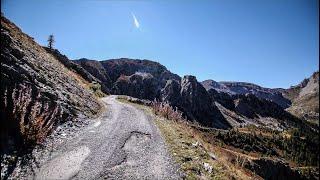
[37,91]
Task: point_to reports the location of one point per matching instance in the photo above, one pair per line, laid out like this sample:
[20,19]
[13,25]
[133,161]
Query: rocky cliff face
[96,69]
[139,85]
[305,98]
[234,88]
[191,97]
[37,91]
[111,70]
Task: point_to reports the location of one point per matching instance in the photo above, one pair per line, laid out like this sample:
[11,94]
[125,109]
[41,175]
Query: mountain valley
[273,132]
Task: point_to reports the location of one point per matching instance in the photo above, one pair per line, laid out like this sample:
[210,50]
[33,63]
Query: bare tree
[51,41]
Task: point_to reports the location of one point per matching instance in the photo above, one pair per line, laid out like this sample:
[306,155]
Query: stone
[207,167]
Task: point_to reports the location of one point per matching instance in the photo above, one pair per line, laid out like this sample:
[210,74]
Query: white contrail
[135,21]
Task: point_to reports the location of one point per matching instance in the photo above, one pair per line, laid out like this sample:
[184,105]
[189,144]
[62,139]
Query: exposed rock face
[112,74]
[305,98]
[37,91]
[114,68]
[117,67]
[224,99]
[219,87]
[139,85]
[194,101]
[96,69]
[171,92]
[234,88]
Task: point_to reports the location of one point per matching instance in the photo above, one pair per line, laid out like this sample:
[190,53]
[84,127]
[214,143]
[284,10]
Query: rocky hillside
[305,98]
[116,72]
[150,80]
[234,88]
[223,105]
[72,65]
[242,110]
[37,91]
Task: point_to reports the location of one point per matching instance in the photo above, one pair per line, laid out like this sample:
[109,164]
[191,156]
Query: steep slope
[71,65]
[194,101]
[233,88]
[305,98]
[37,91]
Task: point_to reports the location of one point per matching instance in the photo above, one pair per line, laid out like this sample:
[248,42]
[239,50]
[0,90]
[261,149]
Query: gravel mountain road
[123,143]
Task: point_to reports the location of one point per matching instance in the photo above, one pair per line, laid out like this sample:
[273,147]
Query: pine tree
[51,41]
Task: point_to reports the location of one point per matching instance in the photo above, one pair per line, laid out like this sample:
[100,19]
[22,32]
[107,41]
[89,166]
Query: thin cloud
[135,21]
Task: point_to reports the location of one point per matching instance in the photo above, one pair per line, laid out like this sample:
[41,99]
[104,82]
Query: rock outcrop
[37,91]
[109,71]
[139,85]
[192,98]
[305,98]
[171,92]
[96,69]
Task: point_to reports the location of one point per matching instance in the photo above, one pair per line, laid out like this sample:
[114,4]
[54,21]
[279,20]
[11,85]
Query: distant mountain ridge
[234,88]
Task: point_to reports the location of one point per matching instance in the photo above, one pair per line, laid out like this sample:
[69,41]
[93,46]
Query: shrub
[165,110]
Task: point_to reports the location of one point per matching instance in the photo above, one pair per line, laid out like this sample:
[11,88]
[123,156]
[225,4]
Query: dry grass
[165,110]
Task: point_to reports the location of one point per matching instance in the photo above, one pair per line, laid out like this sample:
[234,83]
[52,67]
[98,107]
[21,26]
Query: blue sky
[273,43]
